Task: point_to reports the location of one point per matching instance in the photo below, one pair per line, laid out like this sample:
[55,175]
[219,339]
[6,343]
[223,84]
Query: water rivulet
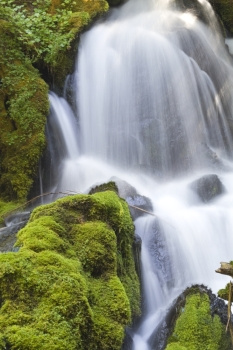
[153,92]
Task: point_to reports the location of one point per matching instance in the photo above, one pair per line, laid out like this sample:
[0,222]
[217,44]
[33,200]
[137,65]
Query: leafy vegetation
[66,287]
[46,29]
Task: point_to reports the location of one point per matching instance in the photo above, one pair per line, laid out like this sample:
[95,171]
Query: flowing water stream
[153,90]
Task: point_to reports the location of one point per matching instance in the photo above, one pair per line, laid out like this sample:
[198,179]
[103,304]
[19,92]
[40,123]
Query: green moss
[98,243]
[110,304]
[109,186]
[23,110]
[196,329]
[63,289]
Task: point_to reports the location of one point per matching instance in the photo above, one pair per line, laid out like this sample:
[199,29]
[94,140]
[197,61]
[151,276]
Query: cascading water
[153,86]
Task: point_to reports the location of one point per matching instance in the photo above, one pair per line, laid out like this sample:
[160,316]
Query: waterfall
[153,89]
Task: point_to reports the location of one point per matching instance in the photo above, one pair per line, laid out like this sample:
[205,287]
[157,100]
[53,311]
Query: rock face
[72,284]
[115,2]
[208,187]
[224,8]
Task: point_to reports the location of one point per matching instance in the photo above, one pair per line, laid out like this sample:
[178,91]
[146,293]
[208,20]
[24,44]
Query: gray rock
[208,187]
[139,205]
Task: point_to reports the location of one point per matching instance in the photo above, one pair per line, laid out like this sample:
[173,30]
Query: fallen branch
[225,269]
[23,205]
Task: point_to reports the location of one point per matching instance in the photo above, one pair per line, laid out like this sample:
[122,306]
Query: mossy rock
[23,110]
[196,328]
[109,186]
[70,285]
[42,34]
[48,31]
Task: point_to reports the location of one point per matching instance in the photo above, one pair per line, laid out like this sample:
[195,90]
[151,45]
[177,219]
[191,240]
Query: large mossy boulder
[72,284]
[198,326]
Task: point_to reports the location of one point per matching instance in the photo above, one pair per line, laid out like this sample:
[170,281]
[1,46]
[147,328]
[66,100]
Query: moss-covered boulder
[72,284]
[197,327]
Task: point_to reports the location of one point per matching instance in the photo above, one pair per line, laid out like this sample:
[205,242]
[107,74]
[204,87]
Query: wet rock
[160,254]
[208,187]
[128,341]
[17,218]
[139,205]
[137,243]
[13,224]
[115,2]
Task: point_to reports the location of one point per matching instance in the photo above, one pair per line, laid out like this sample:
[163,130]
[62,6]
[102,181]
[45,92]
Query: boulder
[201,314]
[208,187]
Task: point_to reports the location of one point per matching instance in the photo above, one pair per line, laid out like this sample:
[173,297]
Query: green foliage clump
[63,290]
[46,30]
[196,329]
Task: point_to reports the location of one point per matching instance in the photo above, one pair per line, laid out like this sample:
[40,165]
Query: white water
[154,91]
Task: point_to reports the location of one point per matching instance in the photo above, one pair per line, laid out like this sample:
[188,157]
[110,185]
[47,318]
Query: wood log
[225,269]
